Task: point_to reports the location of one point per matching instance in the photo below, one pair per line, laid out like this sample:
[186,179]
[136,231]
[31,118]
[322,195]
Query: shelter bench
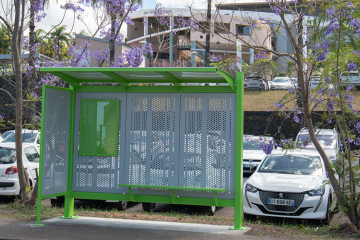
[172,188]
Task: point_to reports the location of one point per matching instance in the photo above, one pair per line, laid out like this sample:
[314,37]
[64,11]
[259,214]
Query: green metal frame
[125,86]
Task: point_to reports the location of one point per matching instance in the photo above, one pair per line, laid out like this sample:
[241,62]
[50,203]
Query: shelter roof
[125,76]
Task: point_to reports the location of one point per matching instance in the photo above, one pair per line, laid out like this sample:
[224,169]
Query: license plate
[246,165]
[283,202]
[253,84]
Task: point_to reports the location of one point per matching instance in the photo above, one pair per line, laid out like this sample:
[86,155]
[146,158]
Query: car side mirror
[254,168]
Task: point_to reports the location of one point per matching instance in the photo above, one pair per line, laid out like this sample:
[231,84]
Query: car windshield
[290,164]
[326,141]
[27,137]
[7,156]
[5,134]
[353,74]
[279,80]
[249,145]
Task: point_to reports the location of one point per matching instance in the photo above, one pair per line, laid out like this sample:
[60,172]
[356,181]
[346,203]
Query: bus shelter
[145,135]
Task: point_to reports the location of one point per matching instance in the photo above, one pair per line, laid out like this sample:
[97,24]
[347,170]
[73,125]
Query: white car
[290,186]
[255,82]
[328,139]
[252,155]
[319,82]
[9,179]
[29,136]
[283,83]
[1,139]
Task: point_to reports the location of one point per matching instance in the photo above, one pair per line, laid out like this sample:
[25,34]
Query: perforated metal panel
[207,143]
[152,140]
[56,141]
[97,173]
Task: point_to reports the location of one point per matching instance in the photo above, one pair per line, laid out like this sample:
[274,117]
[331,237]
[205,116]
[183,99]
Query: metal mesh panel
[99,173]
[56,141]
[207,158]
[152,137]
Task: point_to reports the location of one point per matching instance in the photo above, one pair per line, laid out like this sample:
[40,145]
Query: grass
[262,100]
[279,227]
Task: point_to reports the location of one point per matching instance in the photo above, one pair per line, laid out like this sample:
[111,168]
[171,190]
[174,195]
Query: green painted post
[69,199]
[239,151]
[39,180]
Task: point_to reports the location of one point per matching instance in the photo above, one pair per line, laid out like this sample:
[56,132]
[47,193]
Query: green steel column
[239,151]
[69,200]
[42,133]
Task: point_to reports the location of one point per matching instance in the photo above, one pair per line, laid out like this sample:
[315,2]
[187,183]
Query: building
[186,47]
[97,44]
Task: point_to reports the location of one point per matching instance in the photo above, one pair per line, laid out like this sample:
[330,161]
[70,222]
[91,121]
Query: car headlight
[317,192]
[250,188]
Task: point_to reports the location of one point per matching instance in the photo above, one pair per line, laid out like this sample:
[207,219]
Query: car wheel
[211,210]
[327,219]
[58,201]
[148,206]
[249,217]
[121,205]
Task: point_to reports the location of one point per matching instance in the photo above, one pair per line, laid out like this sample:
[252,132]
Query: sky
[55,13]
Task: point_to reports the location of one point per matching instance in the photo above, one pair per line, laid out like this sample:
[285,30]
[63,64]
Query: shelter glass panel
[99,127]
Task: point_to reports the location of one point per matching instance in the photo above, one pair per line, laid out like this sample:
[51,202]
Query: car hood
[254,154]
[285,182]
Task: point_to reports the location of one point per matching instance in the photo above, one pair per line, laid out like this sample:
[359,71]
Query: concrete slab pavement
[91,228]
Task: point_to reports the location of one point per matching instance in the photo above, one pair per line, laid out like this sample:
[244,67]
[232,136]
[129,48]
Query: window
[161,55]
[31,154]
[243,30]
[222,28]
[99,127]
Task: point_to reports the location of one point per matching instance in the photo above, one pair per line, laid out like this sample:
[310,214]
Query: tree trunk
[34,194]
[207,47]
[19,6]
[32,50]
[112,40]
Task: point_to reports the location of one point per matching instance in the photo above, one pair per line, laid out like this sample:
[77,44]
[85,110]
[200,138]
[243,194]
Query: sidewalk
[90,228]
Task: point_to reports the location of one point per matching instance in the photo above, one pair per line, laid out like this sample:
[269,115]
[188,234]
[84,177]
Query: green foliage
[5,46]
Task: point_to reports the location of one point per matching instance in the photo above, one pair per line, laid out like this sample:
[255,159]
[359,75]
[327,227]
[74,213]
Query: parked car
[281,83]
[328,138]
[317,81]
[9,179]
[255,82]
[29,136]
[290,186]
[350,78]
[1,138]
[252,155]
[5,134]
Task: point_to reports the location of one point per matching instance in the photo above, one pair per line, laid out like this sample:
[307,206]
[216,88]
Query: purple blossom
[329,29]
[267,147]
[34,95]
[260,55]
[321,57]
[296,118]
[1,117]
[351,66]
[349,97]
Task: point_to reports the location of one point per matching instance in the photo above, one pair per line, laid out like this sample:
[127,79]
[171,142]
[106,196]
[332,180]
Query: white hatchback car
[9,179]
[252,154]
[291,186]
[281,83]
[29,136]
[328,139]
